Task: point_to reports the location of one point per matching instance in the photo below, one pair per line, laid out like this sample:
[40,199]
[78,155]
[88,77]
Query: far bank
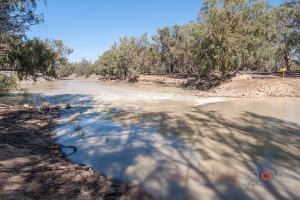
[242,86]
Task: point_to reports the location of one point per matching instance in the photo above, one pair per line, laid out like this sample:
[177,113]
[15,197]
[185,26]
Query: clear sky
[91,26]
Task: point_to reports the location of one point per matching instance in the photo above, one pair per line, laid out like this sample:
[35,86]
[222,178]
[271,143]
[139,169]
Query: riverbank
[243,86]
[33,167]
[256,88]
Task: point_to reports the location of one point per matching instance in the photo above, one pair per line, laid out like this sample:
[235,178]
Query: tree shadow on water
[158,150]
[31,167]
[250,142]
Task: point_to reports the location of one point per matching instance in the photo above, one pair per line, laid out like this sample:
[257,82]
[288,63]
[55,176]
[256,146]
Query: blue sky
[91,26]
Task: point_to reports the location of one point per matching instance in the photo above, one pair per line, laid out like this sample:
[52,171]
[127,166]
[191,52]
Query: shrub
[6,83]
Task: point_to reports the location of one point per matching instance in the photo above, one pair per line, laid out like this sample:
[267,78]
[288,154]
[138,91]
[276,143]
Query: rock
[4,106]
[68,106]
[29,107]
[46,106]
[56,108]
[242,77]
[133,79]
[26,106]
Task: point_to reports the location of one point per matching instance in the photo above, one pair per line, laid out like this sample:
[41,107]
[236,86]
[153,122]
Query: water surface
[179,146]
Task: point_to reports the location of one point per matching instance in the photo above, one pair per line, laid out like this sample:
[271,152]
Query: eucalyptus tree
[230,35]
[175,46]
[187,42]
[236,34]
[287,20]
[34,58]
[27,57]
[106,64]
[16,16]
[128,57]
[166,41]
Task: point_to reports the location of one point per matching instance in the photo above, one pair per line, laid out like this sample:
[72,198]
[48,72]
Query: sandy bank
[248,86]
[245,87]
[253,86]
[256,88]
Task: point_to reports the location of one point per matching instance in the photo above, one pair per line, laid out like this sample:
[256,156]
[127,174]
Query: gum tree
[287,20]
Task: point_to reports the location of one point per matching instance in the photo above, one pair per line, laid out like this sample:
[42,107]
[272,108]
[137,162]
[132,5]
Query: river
[176,145]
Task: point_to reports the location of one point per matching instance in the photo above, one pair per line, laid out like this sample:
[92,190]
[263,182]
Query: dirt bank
[249,85]
[33,167]
[245,86]
[256,88]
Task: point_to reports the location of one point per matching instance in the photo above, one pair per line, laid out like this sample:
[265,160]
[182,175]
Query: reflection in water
[177,149]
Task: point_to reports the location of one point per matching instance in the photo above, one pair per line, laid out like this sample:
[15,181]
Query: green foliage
[16,16]
[236,35]
[26,97]
[6,83]
[175,47]
[66,70]
[287,19]
[127,58]
[230,36]
[28,58]
[33,58]
[82,68]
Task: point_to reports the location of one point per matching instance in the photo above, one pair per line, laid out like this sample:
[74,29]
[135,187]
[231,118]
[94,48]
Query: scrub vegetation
[227,37]
[21,56]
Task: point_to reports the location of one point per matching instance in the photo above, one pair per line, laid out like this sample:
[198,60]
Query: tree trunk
[171,69]
[125,72]
[231,74]
[287,59]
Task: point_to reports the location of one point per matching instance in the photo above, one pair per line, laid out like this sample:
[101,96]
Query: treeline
[228,36]
[83,68]
[21,57]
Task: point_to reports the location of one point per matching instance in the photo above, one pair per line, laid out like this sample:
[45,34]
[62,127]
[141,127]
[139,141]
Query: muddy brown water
[179,146]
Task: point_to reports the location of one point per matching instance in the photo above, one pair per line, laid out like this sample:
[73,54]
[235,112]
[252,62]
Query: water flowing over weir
[179,146]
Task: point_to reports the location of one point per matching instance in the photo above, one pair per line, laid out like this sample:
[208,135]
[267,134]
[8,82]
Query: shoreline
[243,86]
[32,165]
